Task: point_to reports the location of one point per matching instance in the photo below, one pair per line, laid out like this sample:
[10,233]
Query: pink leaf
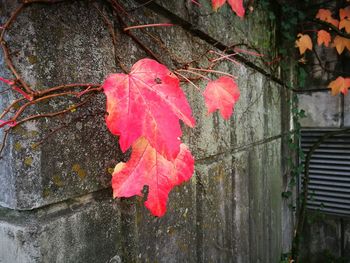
[147,102]
[221,94]
[217,4]
[147,167]
[237,7]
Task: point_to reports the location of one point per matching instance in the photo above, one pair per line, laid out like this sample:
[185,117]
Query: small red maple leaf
[147,167]
[236,5]
[147,102]
[221,94]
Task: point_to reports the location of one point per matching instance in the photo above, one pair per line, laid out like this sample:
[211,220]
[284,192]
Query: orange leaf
[340,43]
[303,43]
[323,37]
[147,167]
[344,12]
[326,15]
[340,85]
[345,23]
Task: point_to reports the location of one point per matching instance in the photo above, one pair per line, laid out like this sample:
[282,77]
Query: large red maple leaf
[221,94]
[147,167]
[147,102]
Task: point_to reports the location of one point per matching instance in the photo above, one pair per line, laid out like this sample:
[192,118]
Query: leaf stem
[213,71]
[195,73]
[189,81]
[144,26]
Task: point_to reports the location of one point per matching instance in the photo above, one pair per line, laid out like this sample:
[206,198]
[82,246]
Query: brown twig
[13,104]
[7,53]
[113,36]
[53,114]
[3,143]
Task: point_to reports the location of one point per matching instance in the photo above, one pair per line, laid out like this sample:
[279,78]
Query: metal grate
[329,172]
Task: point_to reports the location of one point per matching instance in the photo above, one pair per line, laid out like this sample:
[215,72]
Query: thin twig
[113,36]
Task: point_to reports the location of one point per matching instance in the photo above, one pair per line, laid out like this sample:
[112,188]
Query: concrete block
[321,109]
[347,111]
[49,160]
[85,230]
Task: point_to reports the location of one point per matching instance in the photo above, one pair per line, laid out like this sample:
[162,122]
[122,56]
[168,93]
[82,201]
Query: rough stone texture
[347,111]
[67,232]
[231,210]
[53,53]
[321,109]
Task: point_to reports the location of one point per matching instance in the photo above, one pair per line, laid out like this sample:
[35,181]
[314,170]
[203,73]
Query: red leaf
[221,94]
[217,4]
[236,5]
[147,167]
[147,102]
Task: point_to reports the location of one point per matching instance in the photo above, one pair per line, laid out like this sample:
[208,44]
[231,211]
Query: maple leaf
[303,43]
[221,94]
[326,15]
[345,23]
[344,12]
[147,102]
[340,85]
[217,4]
[147,167]
[323,37]
[236,6]
[340,43]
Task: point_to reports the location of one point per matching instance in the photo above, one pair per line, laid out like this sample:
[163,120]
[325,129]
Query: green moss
[79,171]
[28,161]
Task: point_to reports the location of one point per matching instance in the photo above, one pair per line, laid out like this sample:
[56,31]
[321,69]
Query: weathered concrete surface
[74,231]
[231,210]
[321,109]
[347,111]
[326,238]
[76,158]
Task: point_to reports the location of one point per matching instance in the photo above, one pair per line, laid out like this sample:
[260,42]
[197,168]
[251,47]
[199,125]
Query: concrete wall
[56,198]
[326,238]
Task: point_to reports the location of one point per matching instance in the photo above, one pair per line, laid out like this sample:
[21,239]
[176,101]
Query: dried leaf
[344,13]
[340,85]
[326,15]
[340,43]
[345,23]
[303,42]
